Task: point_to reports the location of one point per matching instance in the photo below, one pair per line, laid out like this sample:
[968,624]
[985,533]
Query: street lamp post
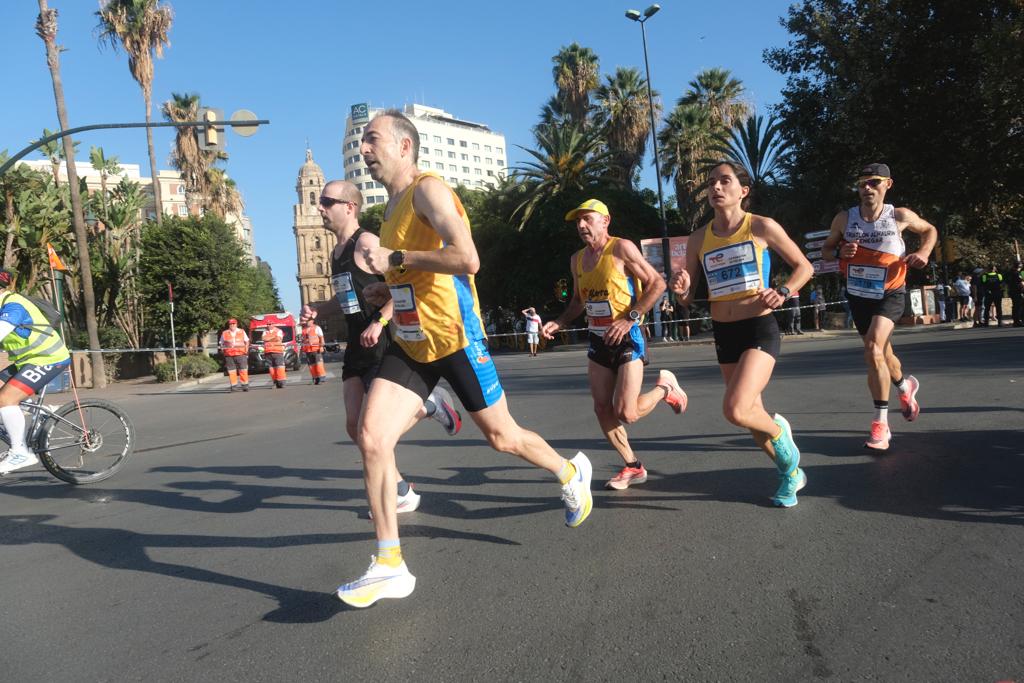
[634,15]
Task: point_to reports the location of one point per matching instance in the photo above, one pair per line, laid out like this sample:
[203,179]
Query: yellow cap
[589,205]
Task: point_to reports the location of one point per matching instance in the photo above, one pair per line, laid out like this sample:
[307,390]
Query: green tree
[204,261]
[624,116]
[721,94]
[53,151]
[105,167]
[931,87]
[576,73]
[567,158]
[141,27]
[186,155]
[687,141]
[761,148]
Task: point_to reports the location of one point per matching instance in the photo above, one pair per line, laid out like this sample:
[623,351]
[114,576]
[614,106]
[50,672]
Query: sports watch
[783,290]
[396,259]
[634,315]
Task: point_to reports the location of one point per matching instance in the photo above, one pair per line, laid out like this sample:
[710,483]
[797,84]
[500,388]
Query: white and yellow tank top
[736,266]
[606,291]
[877,267]
[436,314]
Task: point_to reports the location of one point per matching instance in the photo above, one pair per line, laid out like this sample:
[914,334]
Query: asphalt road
[214,554]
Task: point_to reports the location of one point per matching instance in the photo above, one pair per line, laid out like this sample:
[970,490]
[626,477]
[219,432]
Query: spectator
[962,290]
[992,286]
[1015,290]
[532,328]
[669,329]
[818,299]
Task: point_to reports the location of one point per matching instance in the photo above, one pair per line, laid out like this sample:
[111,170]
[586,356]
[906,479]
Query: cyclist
[37,354]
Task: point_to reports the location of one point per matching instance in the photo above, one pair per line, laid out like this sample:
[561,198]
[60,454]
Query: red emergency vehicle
[259,323]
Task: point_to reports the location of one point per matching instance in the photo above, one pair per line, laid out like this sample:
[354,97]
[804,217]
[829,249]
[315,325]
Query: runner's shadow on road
[124,550]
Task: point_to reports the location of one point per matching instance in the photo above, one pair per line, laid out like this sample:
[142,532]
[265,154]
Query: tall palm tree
[624,115]
[186,155]
[686,143]
[46,28]
[141,27]
[760,147]
[105,166]
[224,197]
[567,158]
[722,94]
[576,74]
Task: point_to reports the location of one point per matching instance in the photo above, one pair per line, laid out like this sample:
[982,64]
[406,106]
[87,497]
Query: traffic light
[211,135]
[562,290]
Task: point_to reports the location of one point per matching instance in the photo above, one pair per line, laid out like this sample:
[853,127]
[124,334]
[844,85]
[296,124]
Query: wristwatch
[783,290]
[396,260]
[635,315]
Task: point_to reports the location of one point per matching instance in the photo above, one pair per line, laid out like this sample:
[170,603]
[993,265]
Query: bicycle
[81,442]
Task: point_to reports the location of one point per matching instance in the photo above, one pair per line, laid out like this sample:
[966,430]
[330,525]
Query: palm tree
[760,147]
[141,28]
[186,155]
[46,28]
[686,142]
[105,167]
[576,74]
[624,115]
[568,158]
[721,94]
[224,197]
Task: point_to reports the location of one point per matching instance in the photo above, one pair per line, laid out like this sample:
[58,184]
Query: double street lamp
[635,15]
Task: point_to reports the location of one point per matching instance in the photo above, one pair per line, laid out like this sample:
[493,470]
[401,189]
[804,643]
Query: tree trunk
[147,94]
[99,375]
[10,251]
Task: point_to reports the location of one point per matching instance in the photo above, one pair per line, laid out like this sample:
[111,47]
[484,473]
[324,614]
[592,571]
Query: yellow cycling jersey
[606,291]
[736,266]
[435,314]
[33,340]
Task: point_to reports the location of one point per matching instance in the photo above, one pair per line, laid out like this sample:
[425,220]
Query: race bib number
[406,319]
[867,282]
[732,269]
[347,299]
[599,316]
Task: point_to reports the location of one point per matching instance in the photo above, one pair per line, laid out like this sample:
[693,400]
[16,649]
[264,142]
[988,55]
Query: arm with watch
[653,286]
[378,321]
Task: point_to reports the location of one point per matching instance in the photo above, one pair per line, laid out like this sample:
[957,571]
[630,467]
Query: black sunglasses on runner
[328,202]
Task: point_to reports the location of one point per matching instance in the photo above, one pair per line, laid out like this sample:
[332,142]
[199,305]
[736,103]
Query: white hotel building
[462,152]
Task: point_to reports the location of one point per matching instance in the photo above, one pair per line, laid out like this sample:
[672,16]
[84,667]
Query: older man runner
[868,241]
[429,259]
[615,286]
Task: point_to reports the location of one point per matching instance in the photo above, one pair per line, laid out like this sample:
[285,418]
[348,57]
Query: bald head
[343,189]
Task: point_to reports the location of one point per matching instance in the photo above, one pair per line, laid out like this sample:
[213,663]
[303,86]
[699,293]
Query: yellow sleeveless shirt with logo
[436,314]
[735,266]
[606,291]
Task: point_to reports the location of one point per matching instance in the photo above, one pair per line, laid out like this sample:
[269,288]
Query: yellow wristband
[383,322]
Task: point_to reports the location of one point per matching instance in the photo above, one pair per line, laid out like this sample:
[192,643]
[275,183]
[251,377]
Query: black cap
[880,170]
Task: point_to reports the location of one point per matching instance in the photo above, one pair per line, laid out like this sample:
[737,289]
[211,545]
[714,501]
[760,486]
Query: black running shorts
[732,339]
[470,372]
[890,306]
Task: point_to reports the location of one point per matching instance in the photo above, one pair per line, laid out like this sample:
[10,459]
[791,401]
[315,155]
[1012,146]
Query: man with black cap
[615,286]
[38,356]
[868,241]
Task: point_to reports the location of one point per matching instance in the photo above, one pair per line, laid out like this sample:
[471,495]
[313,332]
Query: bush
[191,366]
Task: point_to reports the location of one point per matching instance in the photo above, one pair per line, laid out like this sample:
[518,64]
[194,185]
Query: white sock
[14,423]
[882,415]
[902,386]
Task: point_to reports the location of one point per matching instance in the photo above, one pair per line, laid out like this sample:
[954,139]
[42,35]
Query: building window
[323,294]
[499,150]
[182,210]
[319,269]
[500,162]
[424,137]
[451,141]
[316,242]
[465,157]
[487,148]
[476,159]
[453,167]
[453,181]
[476,145]
[451,155]
[312,198]
[490,172]
[437,138]
[465,169]
[463,143]
[477,171]
[489,160]
[425,150]
[467,182]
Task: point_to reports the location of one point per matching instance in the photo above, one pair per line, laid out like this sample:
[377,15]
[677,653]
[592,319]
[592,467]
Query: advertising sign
[360,114]
[821,267]
[816,244]
[816,235]
[651,249]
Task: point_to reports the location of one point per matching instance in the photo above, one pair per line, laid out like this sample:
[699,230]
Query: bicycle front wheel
[86,442]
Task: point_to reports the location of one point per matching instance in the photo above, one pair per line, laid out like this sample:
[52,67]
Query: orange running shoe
[880,435]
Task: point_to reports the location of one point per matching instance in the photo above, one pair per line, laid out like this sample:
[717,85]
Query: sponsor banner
[825,267]
[360,114]
[816,244]
[816,235]
[651,249]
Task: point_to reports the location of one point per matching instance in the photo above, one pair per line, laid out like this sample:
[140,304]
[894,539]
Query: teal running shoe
[787,455]
[785,496]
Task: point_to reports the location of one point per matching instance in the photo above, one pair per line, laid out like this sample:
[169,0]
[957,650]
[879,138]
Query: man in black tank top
[366,304]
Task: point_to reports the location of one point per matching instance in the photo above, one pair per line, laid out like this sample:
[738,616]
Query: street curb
[188,384]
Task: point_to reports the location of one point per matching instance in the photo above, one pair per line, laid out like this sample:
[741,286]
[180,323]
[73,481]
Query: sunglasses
[328,202]
[870,182]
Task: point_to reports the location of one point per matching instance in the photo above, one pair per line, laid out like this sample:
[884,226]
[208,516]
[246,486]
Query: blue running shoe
[785,497]
[787,455]
[576,493]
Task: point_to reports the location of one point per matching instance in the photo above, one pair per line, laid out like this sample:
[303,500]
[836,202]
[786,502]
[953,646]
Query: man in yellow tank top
[867,240]
[428,259]
[615,286]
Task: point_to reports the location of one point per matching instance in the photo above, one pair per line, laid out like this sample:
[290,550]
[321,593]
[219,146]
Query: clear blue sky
[303,64]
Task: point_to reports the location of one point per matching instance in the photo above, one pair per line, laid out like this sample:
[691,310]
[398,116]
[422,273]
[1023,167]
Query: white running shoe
[576,492]
[445,411]
[675,397]
[379,581]
[16,460]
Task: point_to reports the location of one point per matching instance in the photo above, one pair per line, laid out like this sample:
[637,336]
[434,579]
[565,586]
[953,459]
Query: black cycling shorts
[732,339]
[470,372]
[890,306]
[31,378]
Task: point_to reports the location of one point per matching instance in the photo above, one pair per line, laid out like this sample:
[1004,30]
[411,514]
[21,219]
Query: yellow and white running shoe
[379,581]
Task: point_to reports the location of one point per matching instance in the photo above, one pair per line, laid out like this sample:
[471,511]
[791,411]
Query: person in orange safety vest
[313,347]
[273,349]
[234,343]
